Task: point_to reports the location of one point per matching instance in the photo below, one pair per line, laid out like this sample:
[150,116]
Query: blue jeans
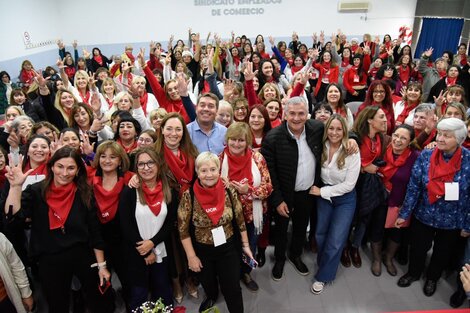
[334,220]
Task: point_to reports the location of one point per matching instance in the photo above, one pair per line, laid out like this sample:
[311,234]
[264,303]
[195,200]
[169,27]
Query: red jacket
[333,76]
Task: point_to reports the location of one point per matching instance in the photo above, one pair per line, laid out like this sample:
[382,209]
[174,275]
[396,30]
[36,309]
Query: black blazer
[137,269]
[281,154]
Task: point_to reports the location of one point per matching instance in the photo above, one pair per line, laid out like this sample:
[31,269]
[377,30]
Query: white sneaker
[317,287]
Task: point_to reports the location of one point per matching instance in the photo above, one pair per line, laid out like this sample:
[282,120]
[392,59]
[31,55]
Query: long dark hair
[28,143]
[83,188]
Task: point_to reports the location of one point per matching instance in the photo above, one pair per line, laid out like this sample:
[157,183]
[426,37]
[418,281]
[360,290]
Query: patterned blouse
[202,224]
[441,214]
[261,192]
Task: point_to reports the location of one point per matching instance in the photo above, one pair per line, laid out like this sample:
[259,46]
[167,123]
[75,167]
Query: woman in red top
[128,129]
[355,79]
[274,111]
[168,98]
[27,74]
[411,99]
[329,73]
[379,94]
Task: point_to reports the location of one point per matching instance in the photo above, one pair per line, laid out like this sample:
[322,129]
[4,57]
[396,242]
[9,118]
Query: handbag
[392,215]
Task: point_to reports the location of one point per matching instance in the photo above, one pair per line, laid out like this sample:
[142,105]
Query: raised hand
[75,44]
[141,57]
[86,54]
[271,40]
[56,144]
[182,84]
[14,172]
[248,72]
[60,44]
[95,103]
[428,52]
[85,145]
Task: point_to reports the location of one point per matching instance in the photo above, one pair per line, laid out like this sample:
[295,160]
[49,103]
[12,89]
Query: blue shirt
[213,142]
[441,214]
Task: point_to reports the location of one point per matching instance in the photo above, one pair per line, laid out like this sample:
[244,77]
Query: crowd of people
[181,167]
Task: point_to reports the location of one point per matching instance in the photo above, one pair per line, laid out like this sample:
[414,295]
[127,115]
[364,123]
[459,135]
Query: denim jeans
[334,220]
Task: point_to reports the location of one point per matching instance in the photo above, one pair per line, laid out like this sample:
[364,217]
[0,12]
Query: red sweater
[332,77]
[163,101]
[351,79]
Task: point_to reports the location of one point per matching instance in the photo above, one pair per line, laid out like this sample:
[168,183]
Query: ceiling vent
[353,7]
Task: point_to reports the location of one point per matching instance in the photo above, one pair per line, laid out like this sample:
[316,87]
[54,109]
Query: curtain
[439,33]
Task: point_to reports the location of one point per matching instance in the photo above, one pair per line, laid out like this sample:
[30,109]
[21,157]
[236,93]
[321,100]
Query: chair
[353,106]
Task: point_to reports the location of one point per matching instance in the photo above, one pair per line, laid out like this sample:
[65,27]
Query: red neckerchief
[304,55]
[236,60]
[441,172]
[276,122]
[86,97]
[341,111]
[442,74]
[70,71]
[388,44]
[110,102]
[430,138]
[345,62]
[290,61]
[404,74]
[181,166]
[98,59]
[392,165]
[451,81]
[107,200]
[206,88]
[143,102]
[295,69]
[60,201]
[354,48]
[373,72]
[406,111]
[326,66]
[40,170]
[154,198]
[211,199]
[463,60]
[368,154]
[239,167]
[128,149]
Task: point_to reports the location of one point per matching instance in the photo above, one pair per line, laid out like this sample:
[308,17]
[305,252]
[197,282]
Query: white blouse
[339,181]
[149,225]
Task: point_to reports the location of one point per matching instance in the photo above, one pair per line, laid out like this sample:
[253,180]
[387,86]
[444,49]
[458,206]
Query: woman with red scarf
[169,97]
[65,232]
[210,219]
[147,217]
[98,60]
[245,170]
[379,94]
[406,72]
[370,127]
[437,196]
[27,74]
[177,149]
[461,58]
[258,120]
[36,154]
[329,73]
[454,76]
[128,129]
[108,176]
[411,99]
[400,156]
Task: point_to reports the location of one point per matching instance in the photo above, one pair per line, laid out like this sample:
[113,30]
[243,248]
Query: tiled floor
[354,291]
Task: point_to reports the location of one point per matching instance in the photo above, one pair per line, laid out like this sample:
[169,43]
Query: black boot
[261,256]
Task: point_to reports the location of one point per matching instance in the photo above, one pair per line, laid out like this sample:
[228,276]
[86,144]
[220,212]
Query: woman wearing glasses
[147,217]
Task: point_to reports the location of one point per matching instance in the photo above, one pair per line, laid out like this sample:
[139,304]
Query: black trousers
[221,266]
[304,205]
[7,307]
[56,271]
[422,238]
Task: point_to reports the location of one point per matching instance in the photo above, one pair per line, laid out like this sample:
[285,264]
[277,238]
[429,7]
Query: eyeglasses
[240,109]
[379,91]
[145,140]
[150,164]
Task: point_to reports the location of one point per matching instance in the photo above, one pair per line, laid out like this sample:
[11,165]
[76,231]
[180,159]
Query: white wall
[112,24]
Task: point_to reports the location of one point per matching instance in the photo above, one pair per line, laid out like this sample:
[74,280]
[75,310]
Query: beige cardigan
[13,274]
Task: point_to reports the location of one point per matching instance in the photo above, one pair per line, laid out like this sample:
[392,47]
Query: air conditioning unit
[353,7]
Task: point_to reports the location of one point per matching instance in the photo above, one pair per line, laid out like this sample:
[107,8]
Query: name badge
[218,236]
[356,78]
[452,191]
